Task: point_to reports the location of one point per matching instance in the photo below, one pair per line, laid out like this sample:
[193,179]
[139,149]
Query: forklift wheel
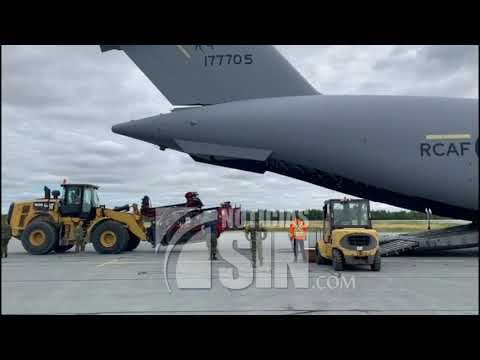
[320,260]
[337,260]
[377,263]
[109,237]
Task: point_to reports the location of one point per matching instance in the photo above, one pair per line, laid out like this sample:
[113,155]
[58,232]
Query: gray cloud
[59,103]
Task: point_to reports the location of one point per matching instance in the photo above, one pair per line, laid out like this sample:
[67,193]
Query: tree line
[317,214]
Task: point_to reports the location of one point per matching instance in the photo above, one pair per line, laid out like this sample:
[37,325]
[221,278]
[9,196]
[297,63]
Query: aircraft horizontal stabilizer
[199,148]
[254,166]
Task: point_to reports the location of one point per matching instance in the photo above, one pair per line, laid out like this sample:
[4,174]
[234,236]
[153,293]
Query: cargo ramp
[455,237]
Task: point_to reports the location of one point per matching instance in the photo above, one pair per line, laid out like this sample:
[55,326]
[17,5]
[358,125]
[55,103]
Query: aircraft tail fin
[212,74]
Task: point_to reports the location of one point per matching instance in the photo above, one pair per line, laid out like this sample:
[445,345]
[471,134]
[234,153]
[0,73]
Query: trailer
[180,223]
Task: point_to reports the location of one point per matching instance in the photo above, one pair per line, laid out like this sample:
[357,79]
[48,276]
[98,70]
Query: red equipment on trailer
[189,222]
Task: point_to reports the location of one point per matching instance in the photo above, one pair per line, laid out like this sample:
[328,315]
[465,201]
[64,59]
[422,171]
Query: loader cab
[79,200]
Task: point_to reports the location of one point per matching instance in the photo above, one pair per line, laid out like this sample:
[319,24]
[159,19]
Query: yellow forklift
[348,236]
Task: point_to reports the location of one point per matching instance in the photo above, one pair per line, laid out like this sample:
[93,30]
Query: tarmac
[183,281]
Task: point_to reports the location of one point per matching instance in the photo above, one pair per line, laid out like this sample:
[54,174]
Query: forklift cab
[347,213]
[348,237]
[79,200]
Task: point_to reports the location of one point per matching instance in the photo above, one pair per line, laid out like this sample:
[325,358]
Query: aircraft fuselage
[411,152]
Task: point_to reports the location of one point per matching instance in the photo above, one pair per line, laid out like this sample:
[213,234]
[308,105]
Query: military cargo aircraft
[246,107]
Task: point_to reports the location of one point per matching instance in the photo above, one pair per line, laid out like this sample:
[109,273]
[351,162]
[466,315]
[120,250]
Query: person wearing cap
[193,200]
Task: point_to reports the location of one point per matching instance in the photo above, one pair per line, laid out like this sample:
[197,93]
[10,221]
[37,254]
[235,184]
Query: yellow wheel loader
[49,224]
[348,236]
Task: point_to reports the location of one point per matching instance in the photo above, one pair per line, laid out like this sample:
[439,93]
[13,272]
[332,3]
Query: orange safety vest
[298,230]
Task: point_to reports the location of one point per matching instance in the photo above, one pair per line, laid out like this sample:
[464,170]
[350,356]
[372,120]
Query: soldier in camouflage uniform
[212,243]
[6,236]
[79,238]
[256,234]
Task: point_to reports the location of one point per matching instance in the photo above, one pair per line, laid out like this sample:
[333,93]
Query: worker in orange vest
[298,233]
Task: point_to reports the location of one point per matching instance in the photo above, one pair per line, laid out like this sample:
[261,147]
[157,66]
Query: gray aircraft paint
[373,139]
[186,74]
[371,143]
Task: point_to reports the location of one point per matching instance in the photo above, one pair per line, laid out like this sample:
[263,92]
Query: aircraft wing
[212,74]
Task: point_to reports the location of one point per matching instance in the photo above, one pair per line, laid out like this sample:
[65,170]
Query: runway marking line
[107,263]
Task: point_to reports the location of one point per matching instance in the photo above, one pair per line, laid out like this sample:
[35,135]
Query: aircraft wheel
[109,237]
[39,238]
[319,259]
[337,260]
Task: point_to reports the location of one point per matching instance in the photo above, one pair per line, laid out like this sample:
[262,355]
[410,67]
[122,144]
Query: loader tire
[133,242]
[60,249]
[39,238]
[377,263]
[109,237]
[337,260]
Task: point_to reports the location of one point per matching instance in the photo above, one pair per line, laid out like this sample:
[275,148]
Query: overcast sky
[59,103]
